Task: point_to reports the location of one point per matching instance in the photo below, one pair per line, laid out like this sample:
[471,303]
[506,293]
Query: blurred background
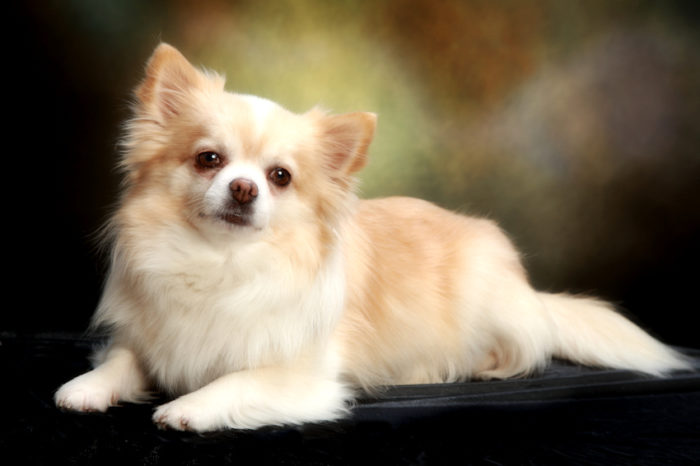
[574,124]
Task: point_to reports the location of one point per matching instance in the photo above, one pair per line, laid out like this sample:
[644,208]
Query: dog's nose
[243,190]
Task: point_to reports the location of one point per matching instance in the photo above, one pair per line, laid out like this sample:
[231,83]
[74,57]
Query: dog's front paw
[187,413]
[85,393]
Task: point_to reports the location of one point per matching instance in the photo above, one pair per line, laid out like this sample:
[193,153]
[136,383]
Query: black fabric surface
[567,415]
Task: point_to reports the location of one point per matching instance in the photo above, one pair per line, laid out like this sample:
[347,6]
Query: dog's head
[232,163]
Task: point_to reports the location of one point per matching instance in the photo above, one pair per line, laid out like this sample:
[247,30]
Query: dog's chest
[206,320]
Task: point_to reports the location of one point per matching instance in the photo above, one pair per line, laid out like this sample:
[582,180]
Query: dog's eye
[280,177]
[208,159]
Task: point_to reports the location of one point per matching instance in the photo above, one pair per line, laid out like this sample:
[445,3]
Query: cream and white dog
[248,280]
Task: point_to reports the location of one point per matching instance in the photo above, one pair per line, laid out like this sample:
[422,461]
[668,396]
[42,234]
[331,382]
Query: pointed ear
[169,77]
[347,138]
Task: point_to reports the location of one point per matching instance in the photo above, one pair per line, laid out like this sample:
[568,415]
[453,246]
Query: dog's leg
[118,378]
[253,398]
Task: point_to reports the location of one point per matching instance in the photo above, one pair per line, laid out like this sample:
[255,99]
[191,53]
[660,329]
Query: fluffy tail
[590,332]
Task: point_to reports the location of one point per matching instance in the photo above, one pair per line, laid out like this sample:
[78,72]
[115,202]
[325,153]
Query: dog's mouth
[235,218]
[232,215]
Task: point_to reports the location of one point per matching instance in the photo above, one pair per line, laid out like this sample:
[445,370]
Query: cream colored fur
[279,313]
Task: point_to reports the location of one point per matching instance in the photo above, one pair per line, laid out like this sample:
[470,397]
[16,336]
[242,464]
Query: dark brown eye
[280,177]
[208,159]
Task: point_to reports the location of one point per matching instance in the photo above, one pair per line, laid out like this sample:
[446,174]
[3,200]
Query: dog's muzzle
[240,207]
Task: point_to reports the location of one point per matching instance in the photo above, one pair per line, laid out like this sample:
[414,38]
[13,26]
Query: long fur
[277,312]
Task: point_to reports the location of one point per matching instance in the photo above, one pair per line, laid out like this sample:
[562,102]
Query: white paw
[187,413]
[85,393]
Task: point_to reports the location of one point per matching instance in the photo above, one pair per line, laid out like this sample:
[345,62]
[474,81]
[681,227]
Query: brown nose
[243,190]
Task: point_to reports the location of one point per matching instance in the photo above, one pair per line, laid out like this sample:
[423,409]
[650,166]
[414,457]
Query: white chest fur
[195,314]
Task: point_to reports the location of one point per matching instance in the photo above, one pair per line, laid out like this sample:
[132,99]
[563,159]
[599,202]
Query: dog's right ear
[169,79]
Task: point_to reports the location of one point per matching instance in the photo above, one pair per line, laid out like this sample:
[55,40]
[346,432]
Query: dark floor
[568,415]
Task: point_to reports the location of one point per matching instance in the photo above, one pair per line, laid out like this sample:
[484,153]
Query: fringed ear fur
[169,76]
[347,138]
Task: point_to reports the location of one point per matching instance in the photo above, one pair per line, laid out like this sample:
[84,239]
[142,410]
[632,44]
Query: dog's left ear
[347,138]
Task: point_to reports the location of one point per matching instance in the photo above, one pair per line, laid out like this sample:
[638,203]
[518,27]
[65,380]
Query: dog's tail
[590,332]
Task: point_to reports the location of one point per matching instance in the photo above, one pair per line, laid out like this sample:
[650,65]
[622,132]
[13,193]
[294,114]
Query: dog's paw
[188,414]
[87,394]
